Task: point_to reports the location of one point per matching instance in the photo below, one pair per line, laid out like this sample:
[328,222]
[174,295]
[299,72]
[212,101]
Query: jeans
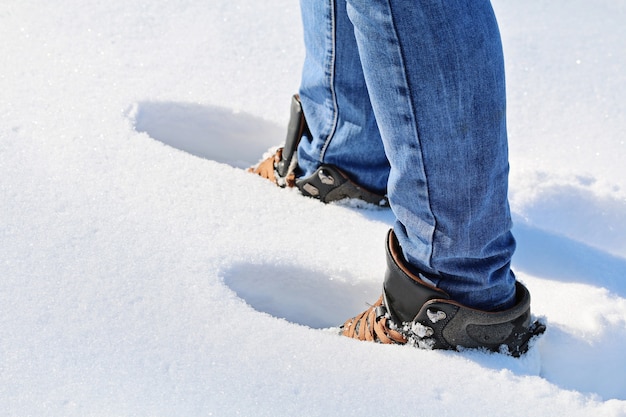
[408,98]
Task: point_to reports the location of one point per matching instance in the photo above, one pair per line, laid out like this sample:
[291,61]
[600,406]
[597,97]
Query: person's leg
[342,127]
[435,76]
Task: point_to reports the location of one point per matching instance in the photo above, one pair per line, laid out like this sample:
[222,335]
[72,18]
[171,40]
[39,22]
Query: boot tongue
[296,128]
[405,292]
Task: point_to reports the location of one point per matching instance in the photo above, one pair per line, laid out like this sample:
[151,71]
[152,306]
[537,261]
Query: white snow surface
[143,274]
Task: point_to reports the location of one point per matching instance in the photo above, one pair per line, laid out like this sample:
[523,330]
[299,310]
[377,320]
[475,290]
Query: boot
[413,311]
[328,183]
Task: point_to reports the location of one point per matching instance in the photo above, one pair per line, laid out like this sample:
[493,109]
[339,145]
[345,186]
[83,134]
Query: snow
[143,275]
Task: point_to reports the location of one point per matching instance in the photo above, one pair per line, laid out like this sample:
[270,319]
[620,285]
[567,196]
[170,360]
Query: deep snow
[143,275]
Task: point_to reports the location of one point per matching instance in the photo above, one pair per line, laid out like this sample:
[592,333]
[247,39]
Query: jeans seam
[414,123]
[331,82]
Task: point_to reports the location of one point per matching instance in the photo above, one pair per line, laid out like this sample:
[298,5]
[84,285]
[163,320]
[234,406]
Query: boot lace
[374,324]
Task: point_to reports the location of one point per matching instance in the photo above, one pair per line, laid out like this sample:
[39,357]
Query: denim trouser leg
[335,100]
[435,80]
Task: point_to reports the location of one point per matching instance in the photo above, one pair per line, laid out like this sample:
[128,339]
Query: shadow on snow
[211,132]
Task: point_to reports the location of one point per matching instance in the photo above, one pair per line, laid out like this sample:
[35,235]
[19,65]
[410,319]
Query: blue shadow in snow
[210,132]
[545,254]
[299,295]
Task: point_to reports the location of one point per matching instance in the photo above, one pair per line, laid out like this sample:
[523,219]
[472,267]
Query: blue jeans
[409,98]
